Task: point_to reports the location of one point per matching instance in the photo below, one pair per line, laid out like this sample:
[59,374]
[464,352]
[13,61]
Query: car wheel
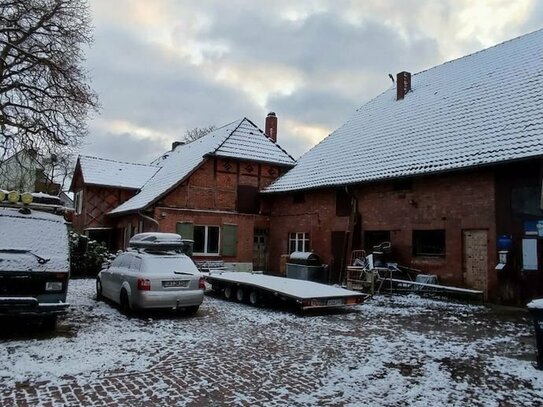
[229,293]
[49,323]
[125,303]
[99,296]
[254,298]
[240,294]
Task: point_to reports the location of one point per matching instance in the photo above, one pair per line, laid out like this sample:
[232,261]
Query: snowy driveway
[388,352]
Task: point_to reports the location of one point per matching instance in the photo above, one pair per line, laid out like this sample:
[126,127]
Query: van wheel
[125,303]
[228,293]
[254,298]
[49,323]
[240,294]
[99,296]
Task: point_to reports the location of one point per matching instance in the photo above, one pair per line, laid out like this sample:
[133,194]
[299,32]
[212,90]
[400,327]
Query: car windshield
[178,264]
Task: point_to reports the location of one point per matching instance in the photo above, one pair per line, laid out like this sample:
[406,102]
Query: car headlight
[53,286]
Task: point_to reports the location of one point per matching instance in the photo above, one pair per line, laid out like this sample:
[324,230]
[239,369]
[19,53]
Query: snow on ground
[389,351]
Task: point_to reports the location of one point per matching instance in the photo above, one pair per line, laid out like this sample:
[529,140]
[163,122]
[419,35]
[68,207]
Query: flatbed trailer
[257,289]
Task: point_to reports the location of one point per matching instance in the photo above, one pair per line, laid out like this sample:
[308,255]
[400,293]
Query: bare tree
[44,91]
[197,132]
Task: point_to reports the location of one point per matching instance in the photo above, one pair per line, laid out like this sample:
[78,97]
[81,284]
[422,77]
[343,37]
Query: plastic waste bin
[536,309]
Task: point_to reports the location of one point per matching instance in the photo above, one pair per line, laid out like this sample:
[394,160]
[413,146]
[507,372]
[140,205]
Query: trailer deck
[259,288]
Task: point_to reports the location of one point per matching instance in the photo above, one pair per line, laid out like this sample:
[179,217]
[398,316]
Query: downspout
[348,242]
[152,220]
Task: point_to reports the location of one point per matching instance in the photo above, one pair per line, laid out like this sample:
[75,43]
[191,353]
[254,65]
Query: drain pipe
[152,220]
[348,242]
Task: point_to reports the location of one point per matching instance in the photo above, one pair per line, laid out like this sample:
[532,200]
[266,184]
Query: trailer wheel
[240,294]
[228,293]
[254,298]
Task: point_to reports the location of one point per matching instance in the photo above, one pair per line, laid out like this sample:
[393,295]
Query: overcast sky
[161,67]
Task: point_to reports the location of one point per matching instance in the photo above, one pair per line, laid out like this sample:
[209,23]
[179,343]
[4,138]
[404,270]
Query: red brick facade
[213,195]
[454,203]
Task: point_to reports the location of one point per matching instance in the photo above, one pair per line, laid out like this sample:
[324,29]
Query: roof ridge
[269,138]
[115,161]
[499,44]
[227,137]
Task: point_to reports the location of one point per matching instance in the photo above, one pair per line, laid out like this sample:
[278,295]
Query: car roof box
[159,241]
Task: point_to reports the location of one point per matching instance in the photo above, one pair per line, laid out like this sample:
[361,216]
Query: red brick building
[440,165]
[206,190]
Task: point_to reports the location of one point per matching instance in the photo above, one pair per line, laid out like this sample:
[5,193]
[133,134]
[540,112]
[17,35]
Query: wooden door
[260,249]
[475,259]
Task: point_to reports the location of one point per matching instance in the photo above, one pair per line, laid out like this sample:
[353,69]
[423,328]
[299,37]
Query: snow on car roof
[240,140]
[479,109]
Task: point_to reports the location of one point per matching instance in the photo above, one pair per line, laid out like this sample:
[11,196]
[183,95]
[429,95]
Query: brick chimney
[403,84]
[176,144]
[271,126]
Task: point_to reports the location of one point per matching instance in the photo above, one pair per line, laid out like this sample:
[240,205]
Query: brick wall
[316,216]
[453,202]
[214,184]
[169,217]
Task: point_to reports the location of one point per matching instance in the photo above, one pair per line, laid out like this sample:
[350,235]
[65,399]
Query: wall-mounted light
[413,203]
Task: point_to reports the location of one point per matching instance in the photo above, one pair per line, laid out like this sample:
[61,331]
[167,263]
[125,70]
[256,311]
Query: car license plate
[175,283]
[335,301]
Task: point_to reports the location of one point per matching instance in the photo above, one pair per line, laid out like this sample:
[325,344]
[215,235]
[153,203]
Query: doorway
[475,259]
[260,249]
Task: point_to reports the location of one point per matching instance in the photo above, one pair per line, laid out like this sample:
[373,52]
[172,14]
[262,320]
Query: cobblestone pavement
[399,351]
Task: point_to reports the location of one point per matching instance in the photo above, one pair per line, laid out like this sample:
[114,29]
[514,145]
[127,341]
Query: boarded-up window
[185,229]
[429,243]
[230,240]
[248,201]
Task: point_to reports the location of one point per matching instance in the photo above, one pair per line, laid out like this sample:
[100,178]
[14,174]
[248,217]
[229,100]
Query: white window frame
[206,234]
[78,202]
[301,240]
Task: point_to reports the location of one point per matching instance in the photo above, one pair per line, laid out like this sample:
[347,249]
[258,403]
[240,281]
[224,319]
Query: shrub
[86,255]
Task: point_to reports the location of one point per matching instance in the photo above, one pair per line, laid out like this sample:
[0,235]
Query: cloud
[163,67]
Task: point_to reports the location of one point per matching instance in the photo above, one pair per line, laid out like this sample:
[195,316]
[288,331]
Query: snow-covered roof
[481,109]
[238,140]
[100,171]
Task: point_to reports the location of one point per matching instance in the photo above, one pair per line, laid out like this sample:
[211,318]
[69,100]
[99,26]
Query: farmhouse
[440,165]
[206,190]
[445,165]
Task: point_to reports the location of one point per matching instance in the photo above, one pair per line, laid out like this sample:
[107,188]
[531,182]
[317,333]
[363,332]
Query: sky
[163,67]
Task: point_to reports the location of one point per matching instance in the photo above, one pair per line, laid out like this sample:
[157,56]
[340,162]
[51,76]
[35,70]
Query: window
[374,238]
[298,242]
[136,264]
[248,201]
[206,239]
[429,243]
[343,202]
[78,202]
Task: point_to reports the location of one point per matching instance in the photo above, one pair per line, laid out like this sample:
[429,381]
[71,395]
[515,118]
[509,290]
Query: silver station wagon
[153,273]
